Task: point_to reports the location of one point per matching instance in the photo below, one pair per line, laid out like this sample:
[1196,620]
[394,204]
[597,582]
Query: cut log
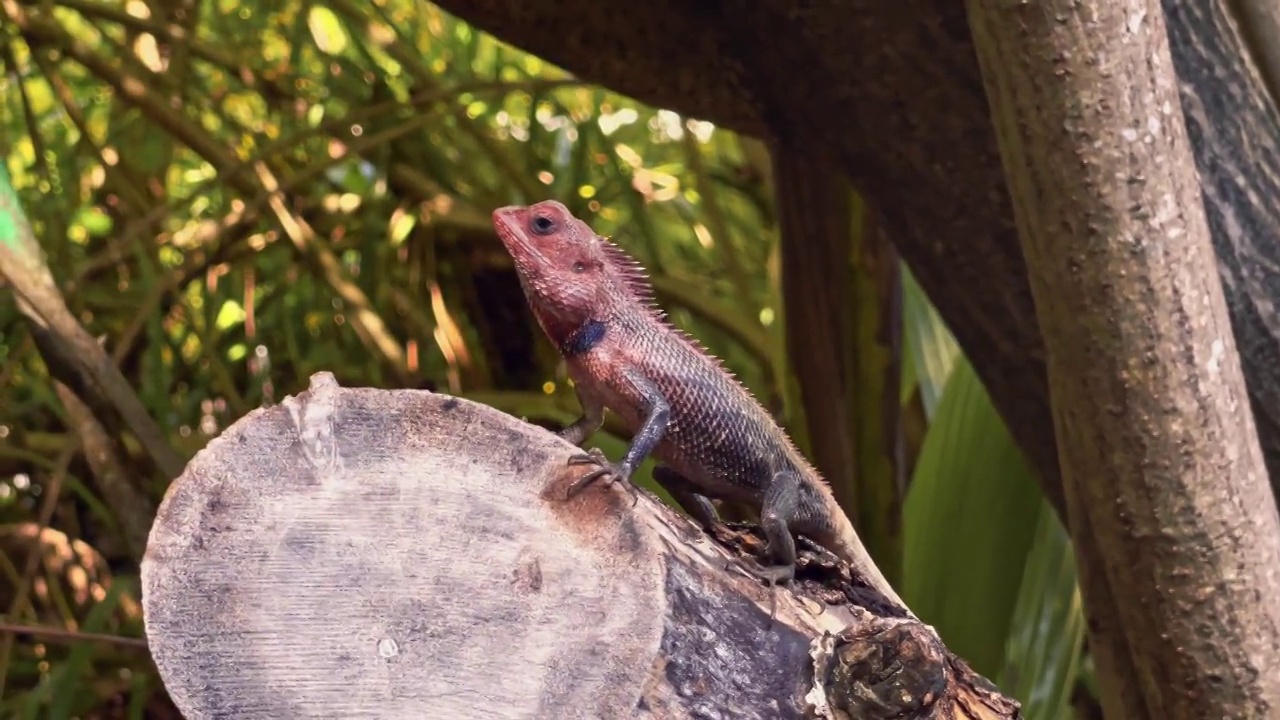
[404,554]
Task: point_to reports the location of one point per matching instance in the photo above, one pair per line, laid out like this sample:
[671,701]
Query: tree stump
[361,553]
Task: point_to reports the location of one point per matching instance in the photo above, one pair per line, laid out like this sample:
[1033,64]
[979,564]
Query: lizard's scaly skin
[709,435]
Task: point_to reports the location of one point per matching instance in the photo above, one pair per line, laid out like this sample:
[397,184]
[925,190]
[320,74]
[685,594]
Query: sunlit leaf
[23,150]
[327,30]
[401,225]
[970,515]
[149,52]
[40,95]
[1042,658]
[928,343]
[94,220]
[230,314]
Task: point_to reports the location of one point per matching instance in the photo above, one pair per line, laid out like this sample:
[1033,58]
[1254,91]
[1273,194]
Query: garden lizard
[710,436]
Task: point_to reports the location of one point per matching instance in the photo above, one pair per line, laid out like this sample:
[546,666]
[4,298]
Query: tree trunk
[1164,480]
[370,553]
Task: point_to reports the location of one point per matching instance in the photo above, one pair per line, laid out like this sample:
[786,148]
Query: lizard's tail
[847,546]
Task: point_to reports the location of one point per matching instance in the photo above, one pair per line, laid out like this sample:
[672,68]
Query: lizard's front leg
[657,416]
[591,420]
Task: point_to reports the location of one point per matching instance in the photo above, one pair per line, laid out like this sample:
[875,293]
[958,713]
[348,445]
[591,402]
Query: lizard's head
[565,268]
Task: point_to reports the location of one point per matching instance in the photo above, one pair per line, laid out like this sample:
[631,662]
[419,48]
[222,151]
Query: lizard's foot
[771,575]
[617,472]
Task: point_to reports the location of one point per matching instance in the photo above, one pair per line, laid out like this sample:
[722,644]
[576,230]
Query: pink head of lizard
[570,274]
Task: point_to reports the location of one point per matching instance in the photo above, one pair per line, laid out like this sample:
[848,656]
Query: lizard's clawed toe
[594,456]
[771,575]
[617,472]
[777,574]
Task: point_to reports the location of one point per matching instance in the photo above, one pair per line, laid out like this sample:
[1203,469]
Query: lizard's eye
[579,267]
[542,225]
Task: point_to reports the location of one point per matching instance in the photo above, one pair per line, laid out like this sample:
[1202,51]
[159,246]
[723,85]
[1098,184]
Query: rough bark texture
[891,91]
[403,554]
[1235,133]
[1164,480]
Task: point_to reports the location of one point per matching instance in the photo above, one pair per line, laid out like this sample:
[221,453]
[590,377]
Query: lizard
[710,437]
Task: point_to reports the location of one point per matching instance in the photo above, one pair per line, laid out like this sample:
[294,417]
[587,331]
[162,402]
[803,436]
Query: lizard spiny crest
[636,279]
[628,270]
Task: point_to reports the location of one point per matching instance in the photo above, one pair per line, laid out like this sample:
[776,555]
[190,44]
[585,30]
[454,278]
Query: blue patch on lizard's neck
[581,341]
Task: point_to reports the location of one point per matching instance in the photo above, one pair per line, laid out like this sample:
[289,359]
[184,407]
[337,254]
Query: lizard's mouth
[506,220]
[526,255]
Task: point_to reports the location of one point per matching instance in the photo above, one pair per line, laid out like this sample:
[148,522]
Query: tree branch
[1164,479]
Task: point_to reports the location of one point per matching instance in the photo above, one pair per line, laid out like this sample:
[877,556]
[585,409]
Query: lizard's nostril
[503,213]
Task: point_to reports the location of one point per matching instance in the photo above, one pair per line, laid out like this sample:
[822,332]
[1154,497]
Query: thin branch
[120,488]
[71,636]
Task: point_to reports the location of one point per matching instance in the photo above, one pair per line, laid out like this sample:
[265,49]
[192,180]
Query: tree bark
[1164,479]
[371,553]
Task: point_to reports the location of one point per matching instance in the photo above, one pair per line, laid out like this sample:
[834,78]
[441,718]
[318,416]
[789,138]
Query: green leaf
[1042,657]
[402,224]
[929,344]
[970,515]
[962,550]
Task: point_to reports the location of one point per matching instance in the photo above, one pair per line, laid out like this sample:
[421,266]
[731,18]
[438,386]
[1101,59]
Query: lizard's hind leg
[777,512]
[685,493]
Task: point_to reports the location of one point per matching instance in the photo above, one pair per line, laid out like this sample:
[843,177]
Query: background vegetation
[233,196]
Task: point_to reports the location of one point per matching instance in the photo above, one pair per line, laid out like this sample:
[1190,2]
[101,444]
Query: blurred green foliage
[232,196]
